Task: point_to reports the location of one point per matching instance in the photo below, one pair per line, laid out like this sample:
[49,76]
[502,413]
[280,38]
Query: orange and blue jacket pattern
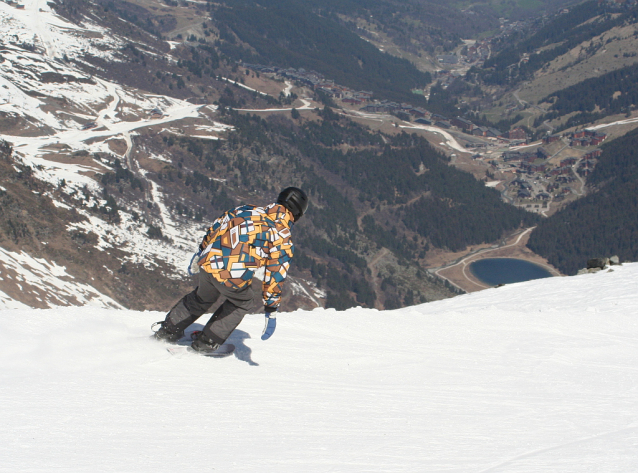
[246,238]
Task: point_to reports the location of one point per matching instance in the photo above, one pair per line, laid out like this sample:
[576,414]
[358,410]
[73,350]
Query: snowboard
[222,352]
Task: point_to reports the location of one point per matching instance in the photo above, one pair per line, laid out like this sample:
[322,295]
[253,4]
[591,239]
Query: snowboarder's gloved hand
[193,267]
[271,324]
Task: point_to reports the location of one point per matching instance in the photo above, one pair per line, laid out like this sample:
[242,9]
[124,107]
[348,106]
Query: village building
[462,124]
[448,59]
[443,124]
[156,114]
[418,112]
[551,138]
[436,116]
[532,168]
[492,133]
[423,121]
[509,156]
[562,170]
[595,153]
[522,183]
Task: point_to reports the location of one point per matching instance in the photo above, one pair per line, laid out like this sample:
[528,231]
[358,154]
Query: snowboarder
[234,247]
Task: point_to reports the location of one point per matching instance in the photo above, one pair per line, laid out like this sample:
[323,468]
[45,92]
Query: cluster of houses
[581,138]
[535,162]
[588,162]
[479,51]
[529,162]
[561,176]
[526,191]
[587,138]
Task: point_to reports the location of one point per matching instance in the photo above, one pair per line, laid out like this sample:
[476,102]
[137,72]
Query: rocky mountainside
[75,190]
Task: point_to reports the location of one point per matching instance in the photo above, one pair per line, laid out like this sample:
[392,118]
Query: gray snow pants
[225,319]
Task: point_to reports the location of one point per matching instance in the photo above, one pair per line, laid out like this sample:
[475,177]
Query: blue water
[494,271]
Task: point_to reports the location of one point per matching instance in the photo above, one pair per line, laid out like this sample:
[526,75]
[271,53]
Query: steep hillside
[602,224]
[136,126]
[589,49]
[132,173]
[288,34]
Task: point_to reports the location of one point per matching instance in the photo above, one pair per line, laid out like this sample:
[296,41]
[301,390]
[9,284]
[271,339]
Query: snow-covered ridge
[530,377]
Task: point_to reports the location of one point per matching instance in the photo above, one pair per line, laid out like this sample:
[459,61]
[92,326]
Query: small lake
[494,271]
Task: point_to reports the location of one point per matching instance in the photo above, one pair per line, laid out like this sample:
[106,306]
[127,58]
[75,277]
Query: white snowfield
[531,377]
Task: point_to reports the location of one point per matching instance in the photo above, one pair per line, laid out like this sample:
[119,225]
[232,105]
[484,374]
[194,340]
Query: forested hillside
[592,99]
[554,39]
[368,191]
[602,224]
[287,34]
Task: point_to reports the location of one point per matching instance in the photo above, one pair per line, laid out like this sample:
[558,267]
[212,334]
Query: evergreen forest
[521,55]
[592,99]
[287,34]
[602,224]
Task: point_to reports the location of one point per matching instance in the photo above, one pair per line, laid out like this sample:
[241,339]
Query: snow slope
[531,377]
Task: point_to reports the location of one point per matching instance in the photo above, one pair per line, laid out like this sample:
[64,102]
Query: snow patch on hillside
[69,116]
[47,283]
[37,24]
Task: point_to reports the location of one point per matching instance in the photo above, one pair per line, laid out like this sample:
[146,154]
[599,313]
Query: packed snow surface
[531,377]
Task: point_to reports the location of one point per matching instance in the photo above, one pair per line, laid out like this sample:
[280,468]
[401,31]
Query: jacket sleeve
[277,264]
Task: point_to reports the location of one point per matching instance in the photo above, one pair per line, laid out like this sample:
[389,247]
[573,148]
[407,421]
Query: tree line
[602,224]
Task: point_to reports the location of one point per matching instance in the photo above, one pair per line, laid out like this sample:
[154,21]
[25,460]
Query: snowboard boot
[163,334]
[203,345]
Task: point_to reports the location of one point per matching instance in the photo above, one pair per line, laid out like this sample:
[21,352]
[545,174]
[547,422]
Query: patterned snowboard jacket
[246,238]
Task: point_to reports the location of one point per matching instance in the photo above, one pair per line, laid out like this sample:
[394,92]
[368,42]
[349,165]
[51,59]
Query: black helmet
[295,200]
